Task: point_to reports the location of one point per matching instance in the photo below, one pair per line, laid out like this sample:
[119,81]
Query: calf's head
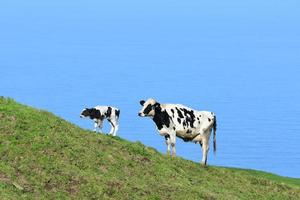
[149,107]
[91,113]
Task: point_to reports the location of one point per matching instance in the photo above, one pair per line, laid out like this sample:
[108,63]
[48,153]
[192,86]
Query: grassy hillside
[46,157]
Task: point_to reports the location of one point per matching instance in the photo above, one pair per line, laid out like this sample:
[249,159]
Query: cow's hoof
[203,164]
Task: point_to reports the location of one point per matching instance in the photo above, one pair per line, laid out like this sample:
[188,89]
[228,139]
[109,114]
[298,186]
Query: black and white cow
[99,113]
[177,120]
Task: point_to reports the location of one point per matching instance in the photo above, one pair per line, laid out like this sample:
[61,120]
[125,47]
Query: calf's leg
[116,129]
[112,129]
[100,125]
[95,126]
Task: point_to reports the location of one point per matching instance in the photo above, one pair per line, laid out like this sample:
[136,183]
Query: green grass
[46,157]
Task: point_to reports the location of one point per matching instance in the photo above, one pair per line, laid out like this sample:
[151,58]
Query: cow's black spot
[147,109]
[179,120]
[95,114]
[188,131]
[179,113]
[161,118]
[209,119]
[172,110]
[108,112]
[167,136]
[198,118]
[184,124]
[117,113]
[200,115]
[174,128]
[190,117]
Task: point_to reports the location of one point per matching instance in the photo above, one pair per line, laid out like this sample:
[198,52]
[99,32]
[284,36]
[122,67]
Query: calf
[177,120]
[99,113]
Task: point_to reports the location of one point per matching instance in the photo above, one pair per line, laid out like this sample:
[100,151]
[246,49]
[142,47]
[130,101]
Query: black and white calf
[177,120]
[99,113]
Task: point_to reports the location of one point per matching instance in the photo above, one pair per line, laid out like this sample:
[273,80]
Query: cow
[99,113]
[178,120]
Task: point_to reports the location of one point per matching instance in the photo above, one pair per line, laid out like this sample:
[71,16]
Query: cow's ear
[156,105]
[142,102]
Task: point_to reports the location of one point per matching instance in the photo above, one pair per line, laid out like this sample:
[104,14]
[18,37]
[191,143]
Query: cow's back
[187,121]
[108,111]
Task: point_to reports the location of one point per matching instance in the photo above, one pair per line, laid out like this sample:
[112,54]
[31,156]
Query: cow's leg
[95,126]
[116,127]
[112,129]
[205,149]
[168,143]
[100,125]
[173,143]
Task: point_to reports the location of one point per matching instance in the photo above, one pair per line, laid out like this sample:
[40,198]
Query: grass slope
[46,157]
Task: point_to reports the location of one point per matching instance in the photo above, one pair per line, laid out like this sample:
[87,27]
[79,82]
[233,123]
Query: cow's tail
[215,134]
[118,113]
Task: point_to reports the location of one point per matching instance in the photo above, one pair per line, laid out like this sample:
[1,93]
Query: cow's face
[85,113]
[91,113]
[148,109]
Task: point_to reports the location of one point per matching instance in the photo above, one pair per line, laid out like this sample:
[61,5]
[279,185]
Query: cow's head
[91,113]
[149,107]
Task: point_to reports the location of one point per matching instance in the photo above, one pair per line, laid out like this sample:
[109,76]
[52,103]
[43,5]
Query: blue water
[238,59]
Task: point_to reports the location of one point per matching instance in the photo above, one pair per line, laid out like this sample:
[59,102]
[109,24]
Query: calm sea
[240,60]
